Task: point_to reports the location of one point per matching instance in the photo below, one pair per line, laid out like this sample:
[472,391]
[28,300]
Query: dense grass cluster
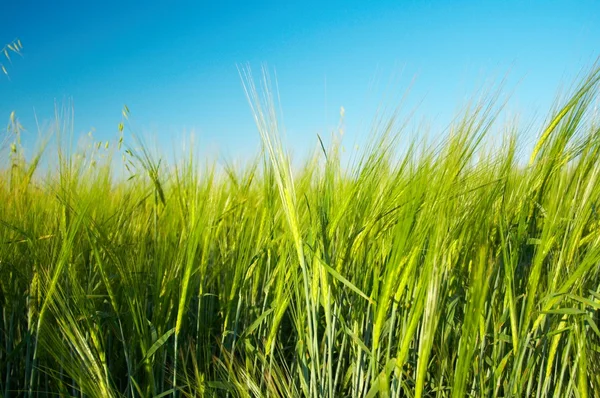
[459,268]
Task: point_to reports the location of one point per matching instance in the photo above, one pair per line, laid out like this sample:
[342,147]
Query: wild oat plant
[441,268]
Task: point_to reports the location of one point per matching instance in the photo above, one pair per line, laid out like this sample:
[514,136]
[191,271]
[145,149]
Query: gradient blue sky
[174,64]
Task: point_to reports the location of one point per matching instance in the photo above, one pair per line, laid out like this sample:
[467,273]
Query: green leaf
[258,321]
[565,311]
[592,324]
[345,281]
[584,300]
[157,344]
[165,393]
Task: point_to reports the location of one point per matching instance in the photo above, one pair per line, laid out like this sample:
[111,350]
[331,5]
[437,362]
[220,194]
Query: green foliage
[425,269]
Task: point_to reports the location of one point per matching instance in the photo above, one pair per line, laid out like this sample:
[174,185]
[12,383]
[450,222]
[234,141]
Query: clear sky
[175,63]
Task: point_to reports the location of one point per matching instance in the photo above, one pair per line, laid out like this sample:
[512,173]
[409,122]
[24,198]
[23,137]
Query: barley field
[462,266]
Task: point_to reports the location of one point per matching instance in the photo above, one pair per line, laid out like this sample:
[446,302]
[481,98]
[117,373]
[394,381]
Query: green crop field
[464,266]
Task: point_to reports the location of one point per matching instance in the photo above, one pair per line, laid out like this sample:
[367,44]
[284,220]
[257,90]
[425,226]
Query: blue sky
[175,63]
